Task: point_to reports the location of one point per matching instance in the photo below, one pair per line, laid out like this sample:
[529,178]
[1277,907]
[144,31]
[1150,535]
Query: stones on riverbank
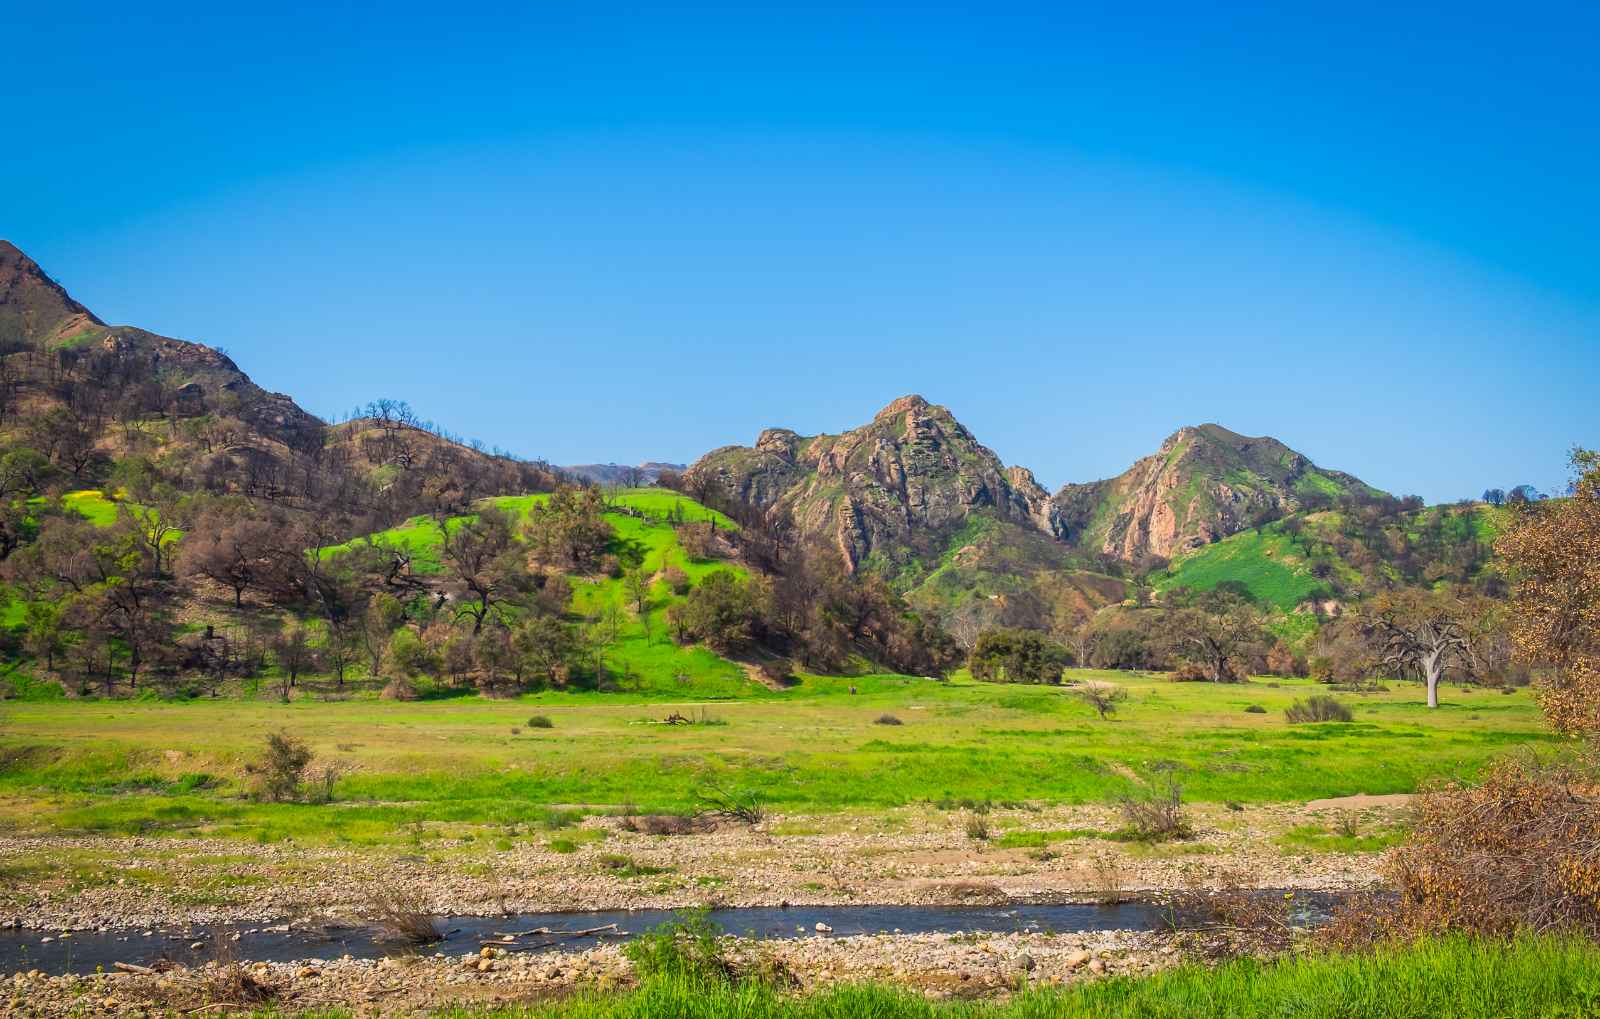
[907,856]
[937,965]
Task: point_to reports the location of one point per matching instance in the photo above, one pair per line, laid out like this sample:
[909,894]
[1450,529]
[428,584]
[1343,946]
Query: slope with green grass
[1335,554]
[643,656]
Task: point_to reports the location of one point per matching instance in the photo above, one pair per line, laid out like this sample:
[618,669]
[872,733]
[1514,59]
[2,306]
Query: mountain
[884,494]
[33,307]
[89,396]
[1204,484]
[622,474]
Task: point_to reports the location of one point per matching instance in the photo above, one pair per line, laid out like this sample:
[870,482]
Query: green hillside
[643,657]
[1344,555]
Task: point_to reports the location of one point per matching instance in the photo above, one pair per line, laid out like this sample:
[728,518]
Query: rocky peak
[888,489]
[1204,483]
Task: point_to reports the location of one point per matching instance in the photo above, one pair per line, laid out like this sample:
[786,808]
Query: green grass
[119,766]
[1266,561]
[1537,978]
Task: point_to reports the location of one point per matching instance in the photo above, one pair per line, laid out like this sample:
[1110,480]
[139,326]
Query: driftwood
[129,967]
[507,941]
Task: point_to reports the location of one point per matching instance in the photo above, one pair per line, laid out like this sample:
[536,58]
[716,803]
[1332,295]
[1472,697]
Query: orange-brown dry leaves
[1553,551]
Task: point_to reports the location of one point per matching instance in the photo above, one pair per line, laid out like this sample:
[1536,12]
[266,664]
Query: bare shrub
[1156,814]
[887,720]
[1233,921]
[973,891]
[1110,879]
[401,919]
[1518,852]
[280,768]
[226,981]
[742,805]
[399,689]
[1102,697]
[324,778]
[978,828]
[1317,708]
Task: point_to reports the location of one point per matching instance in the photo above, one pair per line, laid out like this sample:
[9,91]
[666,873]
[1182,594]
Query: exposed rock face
[1202,485]
[889,489]
[622,474]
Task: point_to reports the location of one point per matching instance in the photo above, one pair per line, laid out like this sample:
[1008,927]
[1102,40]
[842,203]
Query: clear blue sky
[592,233]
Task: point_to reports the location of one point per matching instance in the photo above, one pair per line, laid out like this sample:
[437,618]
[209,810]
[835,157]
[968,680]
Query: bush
[541,722]
[887,720]
[978,828]
[1317,708]
[1156,815]
[280,768]
[1255,709]
[676,580]
[400,689]
[778,671]
[689,949]
[1518,852]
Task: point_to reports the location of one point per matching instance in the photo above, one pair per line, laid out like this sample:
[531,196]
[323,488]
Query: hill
[95,399]
[885,493]
[1348,554]
[1204,484]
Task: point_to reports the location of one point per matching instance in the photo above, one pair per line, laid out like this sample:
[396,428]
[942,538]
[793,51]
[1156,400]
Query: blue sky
[606,233]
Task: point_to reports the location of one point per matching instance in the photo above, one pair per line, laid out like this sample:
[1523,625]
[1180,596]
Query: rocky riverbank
[938,965]
[903,857]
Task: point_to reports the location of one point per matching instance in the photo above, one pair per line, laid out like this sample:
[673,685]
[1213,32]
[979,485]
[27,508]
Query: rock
[1025,963]
[1097,966]
[307,972]
[1076,959]
[823,928]
[486,952]
[485,965]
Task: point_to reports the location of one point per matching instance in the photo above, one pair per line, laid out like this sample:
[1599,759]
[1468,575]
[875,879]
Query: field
[147,767]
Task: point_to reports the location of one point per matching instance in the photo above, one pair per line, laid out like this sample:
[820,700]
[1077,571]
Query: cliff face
[887,490]
[1202,485]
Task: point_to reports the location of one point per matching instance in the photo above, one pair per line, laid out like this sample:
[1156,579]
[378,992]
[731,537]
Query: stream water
[82,951]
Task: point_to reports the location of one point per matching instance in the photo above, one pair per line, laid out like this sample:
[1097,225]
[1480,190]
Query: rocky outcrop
[890,489]
[1202,485]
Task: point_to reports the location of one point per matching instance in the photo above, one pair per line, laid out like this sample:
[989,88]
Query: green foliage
[688,950]
[1017,656]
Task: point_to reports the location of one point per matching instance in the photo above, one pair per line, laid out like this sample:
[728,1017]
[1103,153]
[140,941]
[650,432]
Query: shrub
[541,722]
[280,768]
[732,804]
[676,580]
[688,949]
[400,689]
[1519,851]
[887,720]
[1317,708]
[1255,709]
[1156,814]
[778,671]
[978,828]
[402,919]
[664,824]
[1102,697]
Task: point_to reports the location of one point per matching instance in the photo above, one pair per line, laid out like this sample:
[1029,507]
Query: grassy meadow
[150,767]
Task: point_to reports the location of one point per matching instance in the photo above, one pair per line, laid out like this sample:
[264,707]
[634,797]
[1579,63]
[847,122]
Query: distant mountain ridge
[622,474]
[886,492]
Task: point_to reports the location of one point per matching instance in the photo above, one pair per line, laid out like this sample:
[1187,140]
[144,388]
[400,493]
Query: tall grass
[1455,977]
